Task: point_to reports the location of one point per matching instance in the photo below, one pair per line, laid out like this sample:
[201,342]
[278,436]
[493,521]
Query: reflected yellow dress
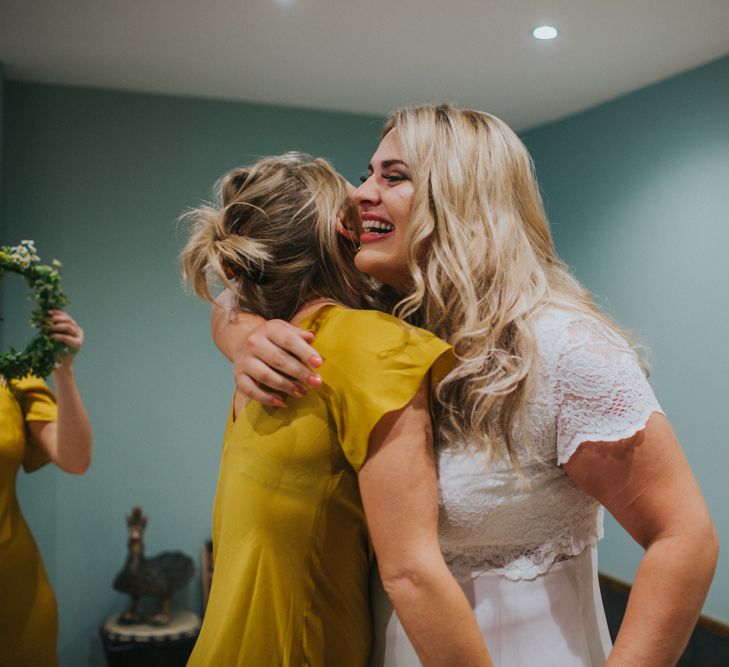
[291,547]
[28,616]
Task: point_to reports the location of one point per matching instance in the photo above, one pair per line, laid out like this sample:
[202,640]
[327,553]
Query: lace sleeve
[601,393]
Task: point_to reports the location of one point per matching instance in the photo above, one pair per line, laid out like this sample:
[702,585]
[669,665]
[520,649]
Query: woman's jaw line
[381,267]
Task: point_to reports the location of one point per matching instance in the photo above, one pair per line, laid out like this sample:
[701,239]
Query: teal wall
[636,191]
[98,179]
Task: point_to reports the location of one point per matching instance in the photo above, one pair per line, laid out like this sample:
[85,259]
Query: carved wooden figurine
[160,576]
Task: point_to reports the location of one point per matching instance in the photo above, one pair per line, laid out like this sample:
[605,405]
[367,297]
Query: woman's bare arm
[68,441]
[646,484]
[399,493]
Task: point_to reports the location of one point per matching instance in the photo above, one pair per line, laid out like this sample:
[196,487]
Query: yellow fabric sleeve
[37,403]
[373,364]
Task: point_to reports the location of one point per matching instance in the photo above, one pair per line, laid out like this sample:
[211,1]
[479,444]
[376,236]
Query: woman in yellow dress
[305,491]
[35,428]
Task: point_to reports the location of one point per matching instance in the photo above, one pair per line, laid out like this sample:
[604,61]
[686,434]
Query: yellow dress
[28,616]
[291,548]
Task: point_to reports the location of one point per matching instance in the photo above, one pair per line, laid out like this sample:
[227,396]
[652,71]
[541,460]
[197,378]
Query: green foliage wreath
[40,355]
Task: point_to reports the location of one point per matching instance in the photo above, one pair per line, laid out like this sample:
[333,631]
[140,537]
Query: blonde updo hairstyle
[482,262]
[272,239]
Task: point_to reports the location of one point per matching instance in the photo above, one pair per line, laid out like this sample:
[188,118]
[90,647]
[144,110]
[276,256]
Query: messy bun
[272,238]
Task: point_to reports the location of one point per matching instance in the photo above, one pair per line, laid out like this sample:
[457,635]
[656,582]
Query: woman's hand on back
[271,359]
[276,356]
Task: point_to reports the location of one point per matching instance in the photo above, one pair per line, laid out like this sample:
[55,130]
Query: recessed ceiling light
[545,32]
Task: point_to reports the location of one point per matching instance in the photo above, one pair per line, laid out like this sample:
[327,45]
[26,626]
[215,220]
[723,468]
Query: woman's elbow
[705,550]
[76,467]
[712,545]
[406,579]
[706,537]
[77,464]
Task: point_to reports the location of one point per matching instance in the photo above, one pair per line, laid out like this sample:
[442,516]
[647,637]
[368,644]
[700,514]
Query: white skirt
[555,620]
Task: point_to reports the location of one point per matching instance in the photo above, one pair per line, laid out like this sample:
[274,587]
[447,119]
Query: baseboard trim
[712,625]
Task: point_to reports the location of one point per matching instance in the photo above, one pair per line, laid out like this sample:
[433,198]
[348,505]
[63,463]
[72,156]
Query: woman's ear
[346,233]
[346,229]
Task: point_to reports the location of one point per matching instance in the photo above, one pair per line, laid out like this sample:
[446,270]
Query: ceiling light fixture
[545,32]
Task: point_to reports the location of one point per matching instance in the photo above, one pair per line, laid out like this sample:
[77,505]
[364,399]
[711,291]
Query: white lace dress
[523,547]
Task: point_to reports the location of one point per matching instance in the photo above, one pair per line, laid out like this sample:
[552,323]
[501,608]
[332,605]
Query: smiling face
[385,200]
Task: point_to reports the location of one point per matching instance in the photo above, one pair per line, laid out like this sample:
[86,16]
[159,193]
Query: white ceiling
[367,56]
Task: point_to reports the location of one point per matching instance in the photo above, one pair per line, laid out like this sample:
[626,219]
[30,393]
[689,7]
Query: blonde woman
[547,417]
[291,546]
[36,428]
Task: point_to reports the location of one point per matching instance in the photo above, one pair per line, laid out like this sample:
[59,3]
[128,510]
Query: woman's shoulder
[593,380]
[347,328]
[372,346]
[35,398]
[560,328]
[374,364]
[29,384]
[582,355]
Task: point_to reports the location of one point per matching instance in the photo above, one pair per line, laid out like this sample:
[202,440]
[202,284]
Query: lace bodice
[590,387]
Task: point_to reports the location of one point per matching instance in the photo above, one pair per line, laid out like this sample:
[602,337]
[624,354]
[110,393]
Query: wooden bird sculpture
[160,576]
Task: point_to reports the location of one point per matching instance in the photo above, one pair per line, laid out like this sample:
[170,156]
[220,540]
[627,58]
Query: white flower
[24,254]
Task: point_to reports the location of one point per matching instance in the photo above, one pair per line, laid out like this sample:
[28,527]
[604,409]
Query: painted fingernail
[277,402]
[299,393]
[314,380]
[315,361]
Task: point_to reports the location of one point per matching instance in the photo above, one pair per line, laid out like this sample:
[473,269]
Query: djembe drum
[150,646]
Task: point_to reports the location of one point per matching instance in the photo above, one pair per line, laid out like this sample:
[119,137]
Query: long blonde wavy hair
[482,262]
[271,238]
